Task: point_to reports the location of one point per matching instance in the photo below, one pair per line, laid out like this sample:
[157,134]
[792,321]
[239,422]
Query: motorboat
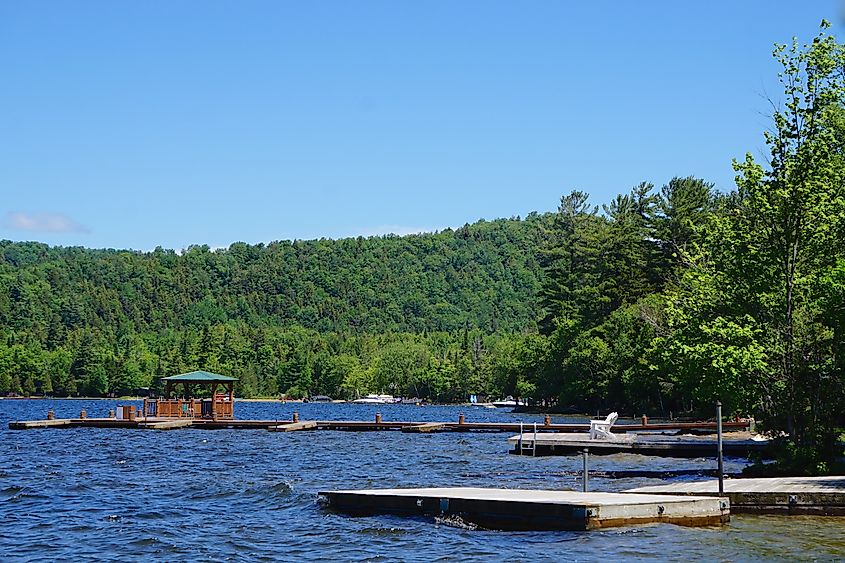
[318,399]
[507,402]
[373,399]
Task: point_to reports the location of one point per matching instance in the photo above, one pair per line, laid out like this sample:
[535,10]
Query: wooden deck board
[294,426]
[425,428]
[52,423]
[167,424]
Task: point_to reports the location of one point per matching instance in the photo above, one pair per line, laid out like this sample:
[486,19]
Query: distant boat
[507,402]
[375,400]
[319,399]
[410,400]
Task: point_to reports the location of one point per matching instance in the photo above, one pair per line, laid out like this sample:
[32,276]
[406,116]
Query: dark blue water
[246,495]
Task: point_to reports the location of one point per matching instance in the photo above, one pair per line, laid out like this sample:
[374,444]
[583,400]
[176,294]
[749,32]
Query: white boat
[375,400]
[506,403]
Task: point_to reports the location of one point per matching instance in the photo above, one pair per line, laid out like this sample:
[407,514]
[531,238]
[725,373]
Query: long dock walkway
[544,444]
[824,496]
[517,509]
[461,425]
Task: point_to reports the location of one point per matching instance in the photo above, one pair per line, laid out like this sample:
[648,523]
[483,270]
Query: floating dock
[822,496]
[517,509]
[461,425]
[545,444]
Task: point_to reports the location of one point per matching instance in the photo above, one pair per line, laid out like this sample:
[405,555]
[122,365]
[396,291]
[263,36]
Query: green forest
[662,300]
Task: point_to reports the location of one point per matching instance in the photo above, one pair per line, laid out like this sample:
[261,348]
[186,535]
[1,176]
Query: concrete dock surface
[823,496]
[521,509]
[664,445]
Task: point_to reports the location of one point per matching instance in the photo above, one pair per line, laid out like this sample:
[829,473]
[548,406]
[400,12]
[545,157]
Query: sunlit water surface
[251,495]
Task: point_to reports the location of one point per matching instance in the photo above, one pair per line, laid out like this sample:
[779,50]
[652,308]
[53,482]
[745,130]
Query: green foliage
[757,314]
[410,315]
[604,275]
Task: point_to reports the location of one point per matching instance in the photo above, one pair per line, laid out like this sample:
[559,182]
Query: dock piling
[295,416]
[378,418]
[719,448]
[585,481]
[51,415]
[83,414]
[460,419]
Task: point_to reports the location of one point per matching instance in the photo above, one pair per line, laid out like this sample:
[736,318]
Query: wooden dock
[516,509]
[545,444]
[370,425]
[824,496]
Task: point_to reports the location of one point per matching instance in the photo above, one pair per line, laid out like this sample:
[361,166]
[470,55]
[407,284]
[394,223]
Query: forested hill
[484,275]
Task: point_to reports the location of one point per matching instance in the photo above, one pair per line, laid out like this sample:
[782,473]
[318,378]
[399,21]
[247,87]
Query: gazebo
[217,405]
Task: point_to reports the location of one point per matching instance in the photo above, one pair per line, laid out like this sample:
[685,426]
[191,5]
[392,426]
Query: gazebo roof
[199,377]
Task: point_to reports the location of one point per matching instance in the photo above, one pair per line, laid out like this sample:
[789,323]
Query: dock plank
[519,509]
[425,428]
[775,495]
[167,424]
[294,426]
[29,424]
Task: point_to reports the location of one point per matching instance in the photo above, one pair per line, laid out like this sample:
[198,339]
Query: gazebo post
[213,401]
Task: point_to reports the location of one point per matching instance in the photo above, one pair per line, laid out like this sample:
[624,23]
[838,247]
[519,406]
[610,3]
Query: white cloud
[43,223]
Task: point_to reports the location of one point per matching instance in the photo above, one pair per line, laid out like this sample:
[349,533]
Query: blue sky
[147,123]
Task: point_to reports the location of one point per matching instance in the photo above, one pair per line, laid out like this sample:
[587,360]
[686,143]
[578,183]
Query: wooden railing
[187,408]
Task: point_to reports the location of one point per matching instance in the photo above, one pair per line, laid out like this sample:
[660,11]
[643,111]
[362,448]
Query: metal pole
[586,479]
[719,447]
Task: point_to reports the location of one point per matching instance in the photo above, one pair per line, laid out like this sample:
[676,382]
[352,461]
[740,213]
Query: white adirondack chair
[600,429]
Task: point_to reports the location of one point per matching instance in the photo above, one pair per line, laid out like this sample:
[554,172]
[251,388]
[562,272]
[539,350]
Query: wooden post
[213,401]
[645,420]
[51,415]
[83,414]
[719,448]
[585,483]
[460,419]
[548,420]
[232,398]
[295,416]
[378,418]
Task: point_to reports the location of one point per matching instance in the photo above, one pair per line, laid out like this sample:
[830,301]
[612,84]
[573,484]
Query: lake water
[251,495]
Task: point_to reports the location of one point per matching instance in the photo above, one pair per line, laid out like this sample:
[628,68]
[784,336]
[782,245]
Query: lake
[251,495]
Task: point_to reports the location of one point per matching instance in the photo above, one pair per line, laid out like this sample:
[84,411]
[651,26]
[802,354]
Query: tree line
[294,317]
